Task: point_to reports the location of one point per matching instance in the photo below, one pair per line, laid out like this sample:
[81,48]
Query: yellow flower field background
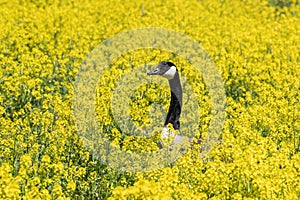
[256,47]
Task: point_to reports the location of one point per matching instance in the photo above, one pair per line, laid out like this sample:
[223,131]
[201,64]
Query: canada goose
[168,70]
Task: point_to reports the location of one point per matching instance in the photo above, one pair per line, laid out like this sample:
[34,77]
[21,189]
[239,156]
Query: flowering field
[256,47]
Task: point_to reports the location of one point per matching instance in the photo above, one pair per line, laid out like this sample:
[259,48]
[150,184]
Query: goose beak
[154,72]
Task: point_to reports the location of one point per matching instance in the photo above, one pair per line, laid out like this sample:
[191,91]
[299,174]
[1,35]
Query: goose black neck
[176,102]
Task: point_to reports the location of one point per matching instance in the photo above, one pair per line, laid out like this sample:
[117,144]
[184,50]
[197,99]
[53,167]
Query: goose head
[165,69]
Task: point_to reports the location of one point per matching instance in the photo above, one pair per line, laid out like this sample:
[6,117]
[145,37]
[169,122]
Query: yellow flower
[71,186]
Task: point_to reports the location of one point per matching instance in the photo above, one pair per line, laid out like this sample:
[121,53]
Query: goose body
[169,71]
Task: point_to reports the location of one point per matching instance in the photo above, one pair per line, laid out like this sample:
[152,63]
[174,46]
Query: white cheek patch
[170,73]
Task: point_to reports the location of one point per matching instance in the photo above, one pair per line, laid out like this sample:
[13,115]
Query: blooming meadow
[255,45]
